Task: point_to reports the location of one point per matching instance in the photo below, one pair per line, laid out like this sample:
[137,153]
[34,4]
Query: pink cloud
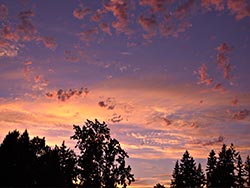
[239,8]
[105,28]
[223,61]
[203,76]
[184,9]
[120,9]
[157,5]
[49,42]
[71,56]
[149,24]
[209,4]
[234,102]
[40,83]
[80,13]
[98,15]
[219,87]
[8,34]
[28,63]
[26,30]
[89,34]
[27,72]
[241,114]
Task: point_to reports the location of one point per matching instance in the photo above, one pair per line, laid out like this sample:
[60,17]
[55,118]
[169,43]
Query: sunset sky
[165,75]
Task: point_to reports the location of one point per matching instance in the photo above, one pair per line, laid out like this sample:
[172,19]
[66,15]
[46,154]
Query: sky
[165,75]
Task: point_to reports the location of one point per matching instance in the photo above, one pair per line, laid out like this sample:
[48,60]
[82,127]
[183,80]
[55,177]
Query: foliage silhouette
[26,162]
[240,173]
[31,163]
[158,185]
[175,182]
[101,163]
[226,170]
[247,171]
[187,174]
[210,169]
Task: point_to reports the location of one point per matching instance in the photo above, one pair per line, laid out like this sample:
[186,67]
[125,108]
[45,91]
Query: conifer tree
[67,161]
[211,168]
[247,171]
[187,171]
[225,176]
[200,177]
[175,181]
[240,173]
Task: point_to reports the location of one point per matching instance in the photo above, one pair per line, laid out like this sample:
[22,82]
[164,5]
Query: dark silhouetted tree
[30,163]
[187,171]
[225,176]
[67,162]
[101,162]
[211,168]
[247,171]
[187,174]
[16,159]
[240,173]
[176,179]
[200,177]
[158,185]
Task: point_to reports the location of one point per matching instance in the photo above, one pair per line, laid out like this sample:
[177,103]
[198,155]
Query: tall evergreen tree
[210,169]
[176,179]
[225,176]
[200,177]
[240,173]
[247,171]
[67,162]
[188,171]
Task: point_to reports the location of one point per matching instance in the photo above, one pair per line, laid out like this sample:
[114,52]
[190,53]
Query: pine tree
[224,173]
[200,177]
[175,182]
[67,162]
[187,171]
[247,171]
[211,168]
[240,173]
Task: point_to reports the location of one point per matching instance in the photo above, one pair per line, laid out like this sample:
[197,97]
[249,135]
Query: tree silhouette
[67,163]
[101,162]
[187,170]
[211,168]
[16,160]
[187,175]
[247,171]
[30,163]
[176,181]
[200,177]
[225,176]
[158,185]
[240,173]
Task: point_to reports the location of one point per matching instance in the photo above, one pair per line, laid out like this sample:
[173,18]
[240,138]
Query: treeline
[26,162]
[101,163]
[223,170]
